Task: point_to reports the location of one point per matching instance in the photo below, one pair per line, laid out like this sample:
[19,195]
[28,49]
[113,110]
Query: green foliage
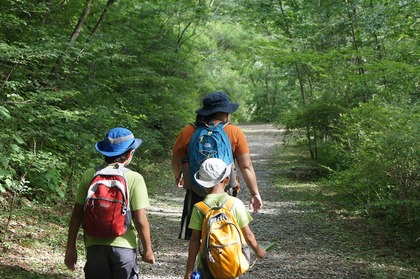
[382,149]
[133,71]
[33,156]
[341,75]
[344,75]
[400,216]
[383,142]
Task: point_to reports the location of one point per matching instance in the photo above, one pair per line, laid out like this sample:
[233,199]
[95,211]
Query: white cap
[212,172]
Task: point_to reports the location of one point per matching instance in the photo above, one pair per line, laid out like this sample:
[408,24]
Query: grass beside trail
[33,244]
[366,241]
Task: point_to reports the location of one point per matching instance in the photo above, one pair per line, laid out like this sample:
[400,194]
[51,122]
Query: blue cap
[117,141]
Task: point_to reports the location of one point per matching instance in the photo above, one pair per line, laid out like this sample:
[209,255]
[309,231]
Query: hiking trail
[300,252]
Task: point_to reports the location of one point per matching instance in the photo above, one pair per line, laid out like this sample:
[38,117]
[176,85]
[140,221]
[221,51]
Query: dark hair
[118,159]
[201,120]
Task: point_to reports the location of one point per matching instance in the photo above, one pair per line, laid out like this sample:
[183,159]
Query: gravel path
[300,253]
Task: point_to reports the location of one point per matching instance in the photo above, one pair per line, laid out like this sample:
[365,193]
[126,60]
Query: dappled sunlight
[173,215]
[33,254]
[170,263]
[261,129]
[168,206]
[256,156]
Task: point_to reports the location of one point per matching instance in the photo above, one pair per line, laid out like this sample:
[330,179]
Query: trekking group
[111,201]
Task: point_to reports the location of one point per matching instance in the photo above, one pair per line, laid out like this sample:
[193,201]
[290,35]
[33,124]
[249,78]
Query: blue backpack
[209,141]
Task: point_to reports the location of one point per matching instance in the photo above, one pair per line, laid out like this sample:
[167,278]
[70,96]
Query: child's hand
[267,248]
[261,253]
[148,257]
[70,258]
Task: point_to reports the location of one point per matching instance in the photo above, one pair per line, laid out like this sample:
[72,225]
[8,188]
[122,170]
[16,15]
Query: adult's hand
[256,203]
[180,181]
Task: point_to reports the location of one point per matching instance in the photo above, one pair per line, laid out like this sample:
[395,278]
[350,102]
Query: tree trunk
[300,79]
[76,32]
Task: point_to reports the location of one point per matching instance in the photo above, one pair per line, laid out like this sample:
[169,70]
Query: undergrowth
[383,249]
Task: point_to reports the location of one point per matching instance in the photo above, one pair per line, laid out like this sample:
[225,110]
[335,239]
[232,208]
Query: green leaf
[4,173]
[271,246]
[4,112]
[14,147]
[18,139]
[4,161]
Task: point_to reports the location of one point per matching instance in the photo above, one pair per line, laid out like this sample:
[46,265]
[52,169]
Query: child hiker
[115,256]
[214,175]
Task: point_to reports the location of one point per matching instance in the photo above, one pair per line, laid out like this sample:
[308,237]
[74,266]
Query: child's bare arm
[71,251]
[193,248]
[252,242]
[143,228]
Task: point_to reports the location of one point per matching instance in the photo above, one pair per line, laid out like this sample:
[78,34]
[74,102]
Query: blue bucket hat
[117,141]
[217,102]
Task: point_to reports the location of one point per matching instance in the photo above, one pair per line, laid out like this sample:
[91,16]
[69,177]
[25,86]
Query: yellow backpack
[223,250]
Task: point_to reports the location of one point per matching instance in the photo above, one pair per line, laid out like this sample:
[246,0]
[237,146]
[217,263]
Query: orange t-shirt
[234,133]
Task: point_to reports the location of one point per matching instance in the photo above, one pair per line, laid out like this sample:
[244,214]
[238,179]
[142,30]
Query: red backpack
[107,208]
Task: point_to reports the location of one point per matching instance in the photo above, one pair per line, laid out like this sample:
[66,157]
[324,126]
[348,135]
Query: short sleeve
[237,139]
[242,146]
[139,197]
[180,148]
[83,186]
[241,213]
[196,220]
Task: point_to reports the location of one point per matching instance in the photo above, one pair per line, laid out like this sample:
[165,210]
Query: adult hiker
[111,240]
[216,109]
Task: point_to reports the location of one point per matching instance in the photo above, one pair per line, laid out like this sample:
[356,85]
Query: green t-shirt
[239,211]
[138,200]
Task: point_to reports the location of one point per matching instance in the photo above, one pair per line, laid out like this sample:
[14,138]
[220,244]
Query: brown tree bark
[76,32]
[78,29]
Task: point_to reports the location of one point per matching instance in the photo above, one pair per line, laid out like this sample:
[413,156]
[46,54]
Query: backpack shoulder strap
[229,203]
[224,124]
[124,169]
[115,170]
[104,171]
[202,207]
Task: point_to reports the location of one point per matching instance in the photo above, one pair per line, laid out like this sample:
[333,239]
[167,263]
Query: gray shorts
[107,262]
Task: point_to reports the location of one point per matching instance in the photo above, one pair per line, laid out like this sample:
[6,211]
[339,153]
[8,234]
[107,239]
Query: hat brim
[212,183]
[230,108]
[134,145]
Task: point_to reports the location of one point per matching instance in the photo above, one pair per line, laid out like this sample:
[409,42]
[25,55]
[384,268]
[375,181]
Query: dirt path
[300,252]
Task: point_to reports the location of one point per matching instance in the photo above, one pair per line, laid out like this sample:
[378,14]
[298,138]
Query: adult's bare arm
[176,167]
[248,173]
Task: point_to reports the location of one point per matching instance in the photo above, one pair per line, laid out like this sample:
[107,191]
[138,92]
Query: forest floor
[312,240]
